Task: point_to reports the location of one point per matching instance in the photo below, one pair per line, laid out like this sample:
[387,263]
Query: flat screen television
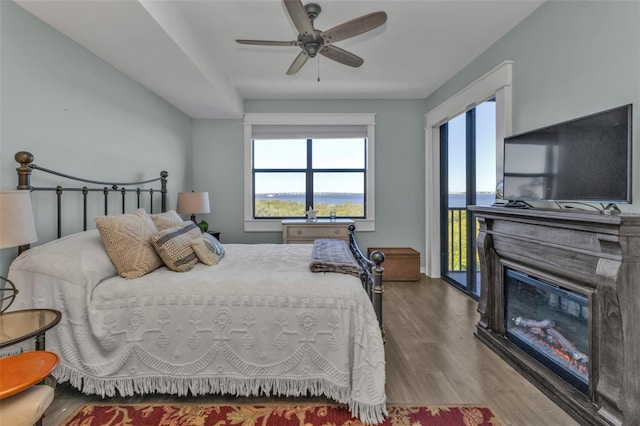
[587,159]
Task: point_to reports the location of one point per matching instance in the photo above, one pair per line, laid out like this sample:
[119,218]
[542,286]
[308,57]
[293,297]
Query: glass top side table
[18,326]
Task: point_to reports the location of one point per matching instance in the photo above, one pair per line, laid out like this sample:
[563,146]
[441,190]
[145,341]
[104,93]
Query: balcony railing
[457,258]
[457,237]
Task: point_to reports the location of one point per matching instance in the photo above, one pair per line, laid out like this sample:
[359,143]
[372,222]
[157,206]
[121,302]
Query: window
[296,161]
[328,175]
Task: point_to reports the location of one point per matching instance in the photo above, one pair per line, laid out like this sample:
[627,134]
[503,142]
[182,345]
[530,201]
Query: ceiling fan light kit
[313,41]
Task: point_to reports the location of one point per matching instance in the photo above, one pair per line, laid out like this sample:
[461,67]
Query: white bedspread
[258,322]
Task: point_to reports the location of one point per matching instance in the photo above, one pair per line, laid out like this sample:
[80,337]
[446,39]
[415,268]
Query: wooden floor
[432,358]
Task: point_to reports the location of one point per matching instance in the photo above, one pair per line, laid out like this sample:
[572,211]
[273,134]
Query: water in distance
[482,199]
[329,198]
[336,198]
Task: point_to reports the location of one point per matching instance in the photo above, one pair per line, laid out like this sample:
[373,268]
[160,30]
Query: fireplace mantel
[593,254]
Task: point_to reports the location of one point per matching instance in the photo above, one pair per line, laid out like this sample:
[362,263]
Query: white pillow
[79,258]
[205,251]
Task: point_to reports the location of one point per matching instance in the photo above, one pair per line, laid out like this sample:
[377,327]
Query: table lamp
[17,228]
[194,203]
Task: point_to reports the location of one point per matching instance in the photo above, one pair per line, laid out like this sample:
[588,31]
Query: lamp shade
[193,203]
[17,225]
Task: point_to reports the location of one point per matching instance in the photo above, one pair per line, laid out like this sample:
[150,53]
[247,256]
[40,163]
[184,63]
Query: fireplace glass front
[549,323]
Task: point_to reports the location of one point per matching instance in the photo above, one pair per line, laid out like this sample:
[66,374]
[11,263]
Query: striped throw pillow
[174,246]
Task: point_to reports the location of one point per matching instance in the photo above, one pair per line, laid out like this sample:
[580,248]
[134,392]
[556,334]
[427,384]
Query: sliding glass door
[468,177]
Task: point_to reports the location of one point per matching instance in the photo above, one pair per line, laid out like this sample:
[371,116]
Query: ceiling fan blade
[342,56]
[299,16]
[300,60]
[269,42]
[355,27]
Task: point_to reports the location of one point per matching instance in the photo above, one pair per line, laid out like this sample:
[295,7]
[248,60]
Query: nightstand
[303,231]
[18,326]
[216,234]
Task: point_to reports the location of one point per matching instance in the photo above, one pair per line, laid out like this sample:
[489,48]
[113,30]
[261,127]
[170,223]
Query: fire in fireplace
[551,324]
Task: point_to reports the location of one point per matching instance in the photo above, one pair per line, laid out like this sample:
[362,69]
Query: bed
[257,321]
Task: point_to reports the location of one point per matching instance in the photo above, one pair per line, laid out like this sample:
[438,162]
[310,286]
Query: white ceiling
[185,50]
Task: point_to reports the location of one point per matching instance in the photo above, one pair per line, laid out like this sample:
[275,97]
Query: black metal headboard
[106,188]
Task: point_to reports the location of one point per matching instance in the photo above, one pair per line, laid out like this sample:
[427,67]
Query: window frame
[310,173]
[310,119]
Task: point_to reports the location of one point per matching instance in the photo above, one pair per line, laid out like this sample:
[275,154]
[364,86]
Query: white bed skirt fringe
[182,386]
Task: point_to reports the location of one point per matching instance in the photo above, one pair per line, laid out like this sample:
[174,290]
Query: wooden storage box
[400,263]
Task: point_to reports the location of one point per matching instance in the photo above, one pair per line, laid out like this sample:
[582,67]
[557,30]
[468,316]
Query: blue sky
[485,150]
[327,153]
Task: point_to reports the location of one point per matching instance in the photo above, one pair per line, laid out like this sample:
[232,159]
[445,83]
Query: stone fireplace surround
[589,253]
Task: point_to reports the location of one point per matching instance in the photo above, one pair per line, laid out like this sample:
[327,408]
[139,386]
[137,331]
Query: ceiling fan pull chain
[318,68]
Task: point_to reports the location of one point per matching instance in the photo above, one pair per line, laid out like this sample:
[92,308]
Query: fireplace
[560,302]
[549,323]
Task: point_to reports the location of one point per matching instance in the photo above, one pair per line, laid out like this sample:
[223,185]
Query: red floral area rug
[272,415]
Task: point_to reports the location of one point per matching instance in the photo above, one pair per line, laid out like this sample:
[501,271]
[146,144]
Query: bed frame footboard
[371,276]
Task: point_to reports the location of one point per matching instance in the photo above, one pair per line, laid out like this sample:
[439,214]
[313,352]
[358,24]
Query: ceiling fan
[313,41]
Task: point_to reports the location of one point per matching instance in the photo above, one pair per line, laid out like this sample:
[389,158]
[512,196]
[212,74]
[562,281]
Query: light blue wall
[64,104]
[218,162]
[572,58]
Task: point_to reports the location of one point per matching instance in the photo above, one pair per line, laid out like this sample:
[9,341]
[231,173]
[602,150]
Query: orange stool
[22,403]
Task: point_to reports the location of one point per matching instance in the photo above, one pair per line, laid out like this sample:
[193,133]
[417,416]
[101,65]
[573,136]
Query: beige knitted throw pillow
[127,239]
[166,220]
